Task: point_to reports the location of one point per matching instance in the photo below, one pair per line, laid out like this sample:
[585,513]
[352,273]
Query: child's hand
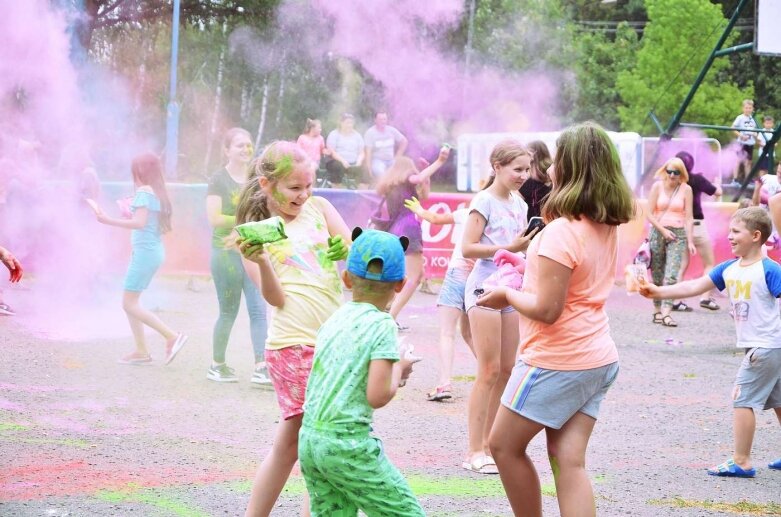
[251,251]
[494,299]
[337,248]
[406,370]
[521,242]
[444,153]
[13,265]
[647,289]
[413,205]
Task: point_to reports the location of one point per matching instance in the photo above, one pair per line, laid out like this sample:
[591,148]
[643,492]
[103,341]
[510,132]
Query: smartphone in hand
[534,222]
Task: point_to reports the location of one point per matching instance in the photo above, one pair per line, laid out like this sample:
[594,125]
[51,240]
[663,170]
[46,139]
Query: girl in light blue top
[151,217]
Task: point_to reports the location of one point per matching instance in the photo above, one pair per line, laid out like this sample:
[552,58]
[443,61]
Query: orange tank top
[670,212]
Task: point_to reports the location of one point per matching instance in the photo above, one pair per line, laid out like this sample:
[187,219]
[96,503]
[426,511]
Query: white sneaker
[6,310]
[260,378]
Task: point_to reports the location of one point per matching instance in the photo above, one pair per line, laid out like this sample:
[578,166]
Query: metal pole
[172,118]
[673,125]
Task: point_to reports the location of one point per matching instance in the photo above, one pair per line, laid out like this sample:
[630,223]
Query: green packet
[263,232]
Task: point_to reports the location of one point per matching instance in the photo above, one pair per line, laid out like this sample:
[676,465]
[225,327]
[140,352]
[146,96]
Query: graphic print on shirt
[740,294]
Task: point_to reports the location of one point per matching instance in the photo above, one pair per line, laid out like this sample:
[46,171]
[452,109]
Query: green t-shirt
[356,334]
[221,184]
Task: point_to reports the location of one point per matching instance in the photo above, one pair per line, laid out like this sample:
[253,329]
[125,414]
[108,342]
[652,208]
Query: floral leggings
[666,259]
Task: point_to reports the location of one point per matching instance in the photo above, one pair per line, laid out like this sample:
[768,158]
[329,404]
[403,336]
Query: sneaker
[221,373]
[173,347]
[260,378]
[6,310]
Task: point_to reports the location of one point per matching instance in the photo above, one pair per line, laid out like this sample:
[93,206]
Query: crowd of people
[529,301]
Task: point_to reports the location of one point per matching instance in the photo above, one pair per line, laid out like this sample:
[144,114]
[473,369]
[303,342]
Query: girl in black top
[535,190]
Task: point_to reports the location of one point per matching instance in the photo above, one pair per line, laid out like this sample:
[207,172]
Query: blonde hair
[756,219]
[277,161]
[364,288]
[673,163]
[747,101]
[402,168]
[589,180]
[310,123]
[502,154]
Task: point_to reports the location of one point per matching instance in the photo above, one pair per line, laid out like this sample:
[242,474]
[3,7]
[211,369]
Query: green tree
[677,40]
[597,63]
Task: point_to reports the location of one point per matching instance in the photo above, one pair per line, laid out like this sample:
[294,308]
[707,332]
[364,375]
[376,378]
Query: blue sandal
[776,465]
[730,469]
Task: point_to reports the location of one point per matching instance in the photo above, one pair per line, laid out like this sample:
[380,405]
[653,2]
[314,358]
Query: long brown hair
[147,169]
[397,174]
[503,153]
[541,161]
[278,160]
[588,178]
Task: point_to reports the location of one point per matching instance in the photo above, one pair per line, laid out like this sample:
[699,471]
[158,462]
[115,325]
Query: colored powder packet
[506,276]
[263,232]
[632,275]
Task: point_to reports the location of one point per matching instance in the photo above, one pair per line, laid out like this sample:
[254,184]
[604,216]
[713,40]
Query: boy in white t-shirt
[450,304]
[753,283]
[746,139]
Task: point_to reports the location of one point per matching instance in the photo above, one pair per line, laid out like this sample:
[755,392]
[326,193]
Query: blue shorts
[758,383]
[144,263]
[453,288]
[552,397]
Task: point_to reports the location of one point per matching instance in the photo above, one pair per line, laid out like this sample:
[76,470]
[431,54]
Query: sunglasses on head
[673,172]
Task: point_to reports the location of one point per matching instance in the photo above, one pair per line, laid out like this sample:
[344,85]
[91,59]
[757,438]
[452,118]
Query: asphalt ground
[83,435]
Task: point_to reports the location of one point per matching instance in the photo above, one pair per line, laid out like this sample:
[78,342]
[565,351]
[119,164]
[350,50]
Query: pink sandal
[136,358]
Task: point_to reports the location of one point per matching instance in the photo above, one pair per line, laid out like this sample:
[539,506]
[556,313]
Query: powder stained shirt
[580,338]
[355,335]
[222,185]
[505,220]
[753,297]
[310,281]
[147,237]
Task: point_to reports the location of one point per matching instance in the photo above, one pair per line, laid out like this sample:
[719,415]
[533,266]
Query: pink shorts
[289,370]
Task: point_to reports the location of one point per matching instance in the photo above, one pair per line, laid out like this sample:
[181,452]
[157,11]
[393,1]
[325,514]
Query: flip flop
[482,465]
[730,469]
[776,465]
[668,321]
[135,359]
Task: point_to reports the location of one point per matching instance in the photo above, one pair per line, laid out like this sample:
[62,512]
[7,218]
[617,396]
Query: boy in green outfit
[356,370]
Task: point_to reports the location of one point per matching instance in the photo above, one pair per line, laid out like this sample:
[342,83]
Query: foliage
[598,63]
[677,40]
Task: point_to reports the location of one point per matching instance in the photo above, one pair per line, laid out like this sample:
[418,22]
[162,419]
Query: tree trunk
[215,115]
[263,108]
[280,99]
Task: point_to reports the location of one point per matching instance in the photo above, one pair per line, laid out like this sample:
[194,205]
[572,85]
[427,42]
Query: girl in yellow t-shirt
[299,279]
[567,359]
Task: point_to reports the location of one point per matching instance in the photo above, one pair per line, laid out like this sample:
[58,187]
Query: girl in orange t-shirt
[568,359]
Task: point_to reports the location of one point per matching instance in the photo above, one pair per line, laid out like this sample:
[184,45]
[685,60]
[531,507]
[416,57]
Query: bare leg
[448,320]
[567,453]
[466,331]
[509,439]
[744,425]
[275,469]
[509,348]
[133,309]
[414,265]
[486,342]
